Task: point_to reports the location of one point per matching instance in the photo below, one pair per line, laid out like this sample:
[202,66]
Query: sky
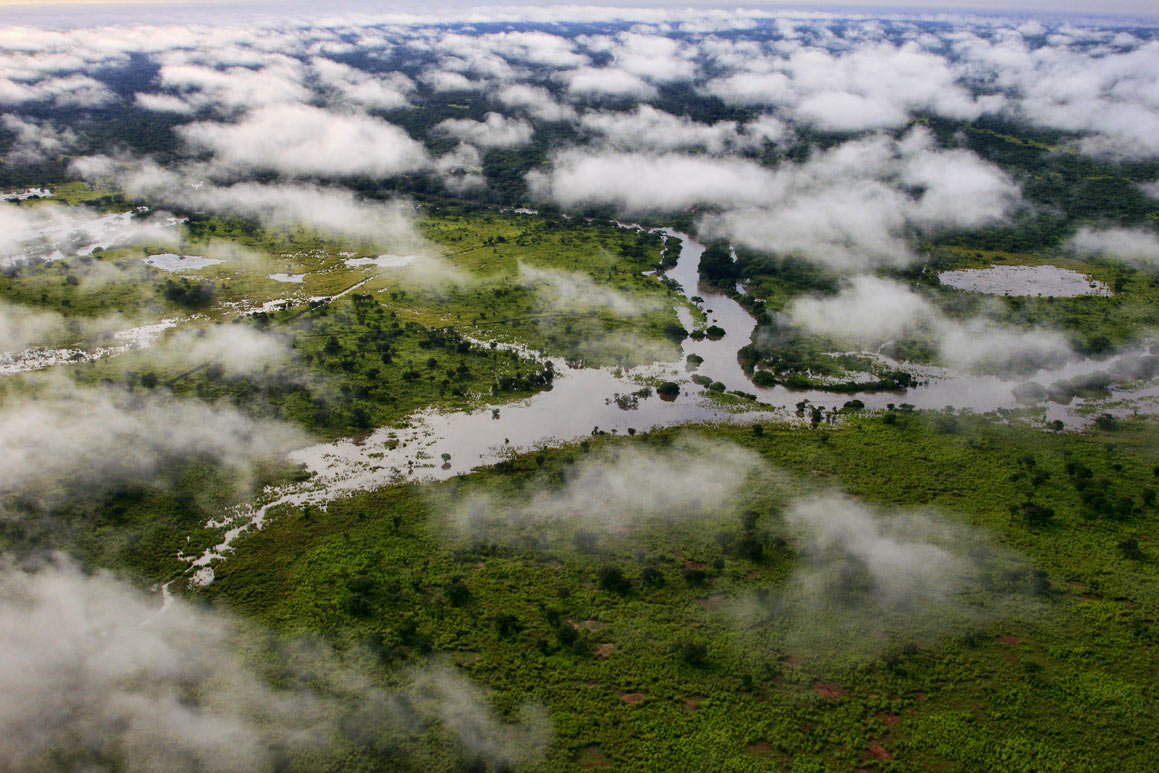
[71,13]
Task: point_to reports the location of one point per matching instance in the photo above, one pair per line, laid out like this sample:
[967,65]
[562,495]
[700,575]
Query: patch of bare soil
[713,603]
[592,757]
[632,697]
[603,650]
[829,692]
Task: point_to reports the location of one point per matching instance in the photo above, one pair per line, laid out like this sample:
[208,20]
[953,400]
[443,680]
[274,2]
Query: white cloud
[230,89]
[494,131]
[608,82]
[95,673]
[873,311]
[848,206]
[304,140]
[332,211]
[36,140]
[1133,245]
[359,88]
[647,128]
[569,290]
[536,100]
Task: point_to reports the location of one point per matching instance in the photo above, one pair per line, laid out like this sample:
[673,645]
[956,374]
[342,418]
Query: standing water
[584,400]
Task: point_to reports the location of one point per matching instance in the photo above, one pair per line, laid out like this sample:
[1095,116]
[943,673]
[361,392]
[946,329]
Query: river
[584,400]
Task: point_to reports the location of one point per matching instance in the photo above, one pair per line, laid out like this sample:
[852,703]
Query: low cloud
[331,211]
[24,326]
[573,291]
[873,311]
[352,86]
[866,579]
[99,438]
[96,675]
[536,100]
[494,131]
[36,141]
[51,231]
[612,489]
[239,350]
[192,88]
[608,82]
[649,129]
[1133,245]
[849,207]
[302,140]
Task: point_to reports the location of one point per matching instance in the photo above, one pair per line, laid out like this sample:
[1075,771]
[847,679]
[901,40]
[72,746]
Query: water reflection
[583,401]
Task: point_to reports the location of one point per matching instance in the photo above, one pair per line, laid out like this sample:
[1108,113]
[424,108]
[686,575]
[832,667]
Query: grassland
[640,639]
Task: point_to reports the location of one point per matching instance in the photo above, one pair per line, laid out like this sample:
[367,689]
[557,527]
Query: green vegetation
[633,637]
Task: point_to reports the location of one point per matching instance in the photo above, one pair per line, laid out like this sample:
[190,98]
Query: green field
[673,634]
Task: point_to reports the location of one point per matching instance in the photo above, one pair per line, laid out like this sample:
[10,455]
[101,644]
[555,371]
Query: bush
[457,592]
[611,578]
[506,625]
[651,577]
[692,654]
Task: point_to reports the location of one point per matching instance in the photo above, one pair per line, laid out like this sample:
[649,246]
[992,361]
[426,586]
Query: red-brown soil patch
[587,625]
[878,751]
[920,696]
[689,563]
[889,719]
[464,658]
[713,603]
[752,575]
[603,650]
[632,697]
[1092,597]
[592,757]
[760,747]
[693,703]
[806,727]
[790,660]
[1010,640]
[829,692]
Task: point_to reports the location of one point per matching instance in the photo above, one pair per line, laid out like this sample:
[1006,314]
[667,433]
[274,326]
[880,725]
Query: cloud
[360,88]
[303,140]
[875,85]
[24,326]
[332,211]
[656,58]
[533,47]
[570,291]
[36,141]
[644,182]
[1133,245]
[66,91]
[494,131]
[101,437]
[96,675]
[649,129]
[848,207]
[278,81]
[874,311]
[536,100]
[608,82]
[866,578]
[239,350]
[52,231]
[616,487]
[441,80]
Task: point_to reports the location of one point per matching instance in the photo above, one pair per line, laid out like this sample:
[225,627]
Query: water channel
[585,399]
